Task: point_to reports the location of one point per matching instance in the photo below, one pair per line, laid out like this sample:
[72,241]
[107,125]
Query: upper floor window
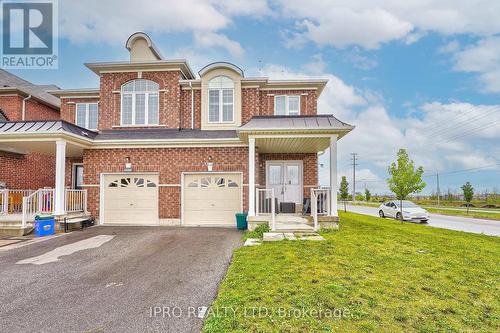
[285,105]
[140,101]
[221,100]
[86,115]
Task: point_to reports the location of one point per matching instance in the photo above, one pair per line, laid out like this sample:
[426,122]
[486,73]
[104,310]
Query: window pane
[221,82]
[292,174]
[279,105]
[227,106]
[274,174]
[293,105]
[127,109]
[140,85]
[213,106]
[128,87]
[92,116]
[153,109]
[140,109]
[81,115]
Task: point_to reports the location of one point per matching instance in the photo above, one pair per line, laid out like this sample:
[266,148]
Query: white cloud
[316,66]
[369,23]
[450,47]
[482,58]
[112,21]
[439,136]
[212,39]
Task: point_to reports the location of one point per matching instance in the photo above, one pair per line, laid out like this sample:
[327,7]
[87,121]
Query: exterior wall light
[128,165]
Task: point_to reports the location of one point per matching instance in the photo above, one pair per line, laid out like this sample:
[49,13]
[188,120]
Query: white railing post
[85,198]
[5,202]
[273,211]
[25,212]
[314,209]
[257,200]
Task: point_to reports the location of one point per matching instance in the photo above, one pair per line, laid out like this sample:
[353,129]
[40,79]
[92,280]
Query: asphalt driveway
[142,279]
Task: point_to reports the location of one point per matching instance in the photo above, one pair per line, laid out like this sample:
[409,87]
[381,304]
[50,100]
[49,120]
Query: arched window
[140,103]
[221,100]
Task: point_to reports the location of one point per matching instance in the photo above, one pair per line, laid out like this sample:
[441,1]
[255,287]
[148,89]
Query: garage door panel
[129,200]
[211,199]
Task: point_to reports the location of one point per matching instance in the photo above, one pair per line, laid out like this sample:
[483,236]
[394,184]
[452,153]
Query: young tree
[468,194]
[344,190]
[404,178]
[368,195]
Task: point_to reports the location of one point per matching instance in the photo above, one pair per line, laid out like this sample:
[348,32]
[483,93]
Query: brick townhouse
[157,144]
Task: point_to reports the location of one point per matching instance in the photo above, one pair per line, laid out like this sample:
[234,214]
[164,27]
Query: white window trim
[221,107]
[146,107]
[87,115]
[287,104]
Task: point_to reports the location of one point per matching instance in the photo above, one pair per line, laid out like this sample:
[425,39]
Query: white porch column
[333,175]
[59,194]
[251,176]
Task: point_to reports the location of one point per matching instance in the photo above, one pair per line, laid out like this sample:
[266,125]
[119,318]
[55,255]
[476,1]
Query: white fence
[40,202]
[11,201]
[30,203]
[265,204]
[76,201]
[320,204]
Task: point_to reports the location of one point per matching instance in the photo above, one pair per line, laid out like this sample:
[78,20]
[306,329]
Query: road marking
[53,256]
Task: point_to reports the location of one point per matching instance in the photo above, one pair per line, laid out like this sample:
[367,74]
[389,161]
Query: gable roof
[9,81]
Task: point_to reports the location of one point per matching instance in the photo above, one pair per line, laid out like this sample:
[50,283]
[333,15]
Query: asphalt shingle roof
[12,81]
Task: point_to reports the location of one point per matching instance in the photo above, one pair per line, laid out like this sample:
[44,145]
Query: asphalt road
[141,280]
[467,224]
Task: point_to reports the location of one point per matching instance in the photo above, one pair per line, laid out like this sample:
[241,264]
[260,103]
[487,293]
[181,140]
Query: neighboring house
[21,100]
[154,144]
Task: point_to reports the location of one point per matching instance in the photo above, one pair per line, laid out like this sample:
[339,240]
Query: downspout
[192,104]
[23,116]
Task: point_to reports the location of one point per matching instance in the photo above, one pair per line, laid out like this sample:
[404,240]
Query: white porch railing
[265,204]
[76,201]
[11,201]
[320,204]
[37,203]
[41,202]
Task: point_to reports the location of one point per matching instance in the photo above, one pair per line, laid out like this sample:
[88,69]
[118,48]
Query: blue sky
[415,75]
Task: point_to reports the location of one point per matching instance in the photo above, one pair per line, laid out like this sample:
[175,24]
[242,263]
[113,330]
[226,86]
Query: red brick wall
[169,162]
[310,165]
[186,108]
[169,102]
[12,107]
[68,107]
[30,172]
[250,104]
[308,101]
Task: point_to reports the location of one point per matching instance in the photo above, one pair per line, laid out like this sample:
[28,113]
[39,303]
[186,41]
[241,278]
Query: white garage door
[131,199]
[211,199]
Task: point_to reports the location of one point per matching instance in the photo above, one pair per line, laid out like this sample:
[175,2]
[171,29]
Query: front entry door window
[78,176]
[286,180]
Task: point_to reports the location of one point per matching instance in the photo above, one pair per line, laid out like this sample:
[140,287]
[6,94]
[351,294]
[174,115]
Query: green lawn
[373,275]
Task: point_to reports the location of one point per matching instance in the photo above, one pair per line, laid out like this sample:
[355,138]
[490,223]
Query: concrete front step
[15,231]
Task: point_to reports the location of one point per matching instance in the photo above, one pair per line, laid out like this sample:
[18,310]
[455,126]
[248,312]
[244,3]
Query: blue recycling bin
[44,226]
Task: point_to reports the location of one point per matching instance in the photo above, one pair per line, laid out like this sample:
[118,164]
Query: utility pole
[437,182]
[354,164]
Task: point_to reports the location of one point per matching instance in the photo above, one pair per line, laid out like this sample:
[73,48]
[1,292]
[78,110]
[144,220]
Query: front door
[285,177]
